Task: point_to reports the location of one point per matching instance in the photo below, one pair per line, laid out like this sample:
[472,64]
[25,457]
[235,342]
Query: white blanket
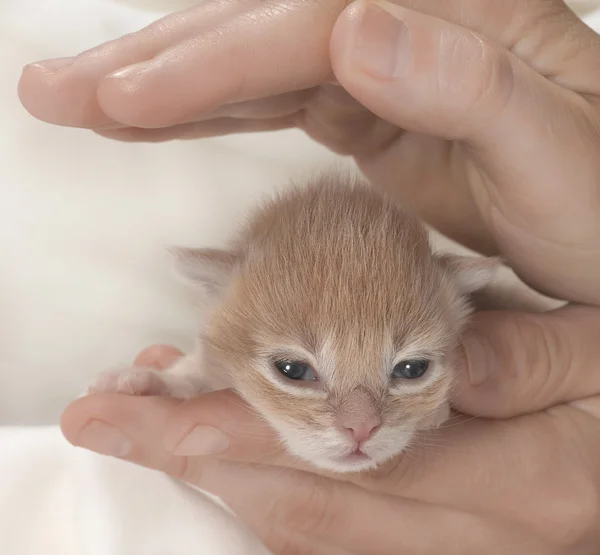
[78,294]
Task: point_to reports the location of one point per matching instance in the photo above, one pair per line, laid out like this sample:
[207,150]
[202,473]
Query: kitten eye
[295,370]
[410,369]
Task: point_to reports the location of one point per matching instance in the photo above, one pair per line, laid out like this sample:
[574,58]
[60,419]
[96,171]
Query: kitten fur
[337,276]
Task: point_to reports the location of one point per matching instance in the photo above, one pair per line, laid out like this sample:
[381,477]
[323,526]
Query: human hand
[493,138]
[530,484]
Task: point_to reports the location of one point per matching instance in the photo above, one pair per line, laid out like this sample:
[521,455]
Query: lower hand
[530,484]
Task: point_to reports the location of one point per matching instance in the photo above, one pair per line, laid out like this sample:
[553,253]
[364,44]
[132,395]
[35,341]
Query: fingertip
[66,96]
[342,35]
[32,89]
[502,363]
[78,413]
[476,388]
[463,395]
[69,423]
[474,401]
[158,357]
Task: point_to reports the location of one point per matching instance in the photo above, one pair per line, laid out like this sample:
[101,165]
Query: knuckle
[551,25]
[323,515]
[474,74]
[535,349]
[546,352]
[334,117]
[310,510]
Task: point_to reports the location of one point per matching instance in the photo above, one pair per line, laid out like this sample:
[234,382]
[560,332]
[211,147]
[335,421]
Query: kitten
[332,317]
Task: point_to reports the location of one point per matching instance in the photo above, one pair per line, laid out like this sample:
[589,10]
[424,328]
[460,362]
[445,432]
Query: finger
[517,362]
[137,95]
[130,428]
[544,33]
[471,90]
[158,356]
[212,128]
[248,438]
[263,114]
[338,514]
[218,424]
[390,58]
[64,91]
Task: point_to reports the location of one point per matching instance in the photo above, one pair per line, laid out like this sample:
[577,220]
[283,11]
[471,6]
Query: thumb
[520,362]
[432,77]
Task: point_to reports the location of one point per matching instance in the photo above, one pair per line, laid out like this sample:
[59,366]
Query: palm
[542,446]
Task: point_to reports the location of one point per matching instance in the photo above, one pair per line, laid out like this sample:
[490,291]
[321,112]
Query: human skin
[529,484]
[487,161]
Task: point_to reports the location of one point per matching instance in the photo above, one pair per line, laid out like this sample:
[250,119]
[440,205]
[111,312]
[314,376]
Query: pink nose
[362,431]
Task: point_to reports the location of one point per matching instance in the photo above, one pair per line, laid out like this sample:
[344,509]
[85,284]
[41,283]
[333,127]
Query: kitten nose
[362,431]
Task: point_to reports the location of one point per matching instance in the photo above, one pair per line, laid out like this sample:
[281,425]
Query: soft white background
[84,285]
[83,220]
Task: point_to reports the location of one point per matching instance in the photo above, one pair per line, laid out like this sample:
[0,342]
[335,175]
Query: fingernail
[105,439]
[52,65]
[134,70]
[476,358]
[202,440]
[381,41]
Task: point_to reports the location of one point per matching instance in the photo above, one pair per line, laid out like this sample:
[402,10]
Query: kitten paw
[135,381]
[147,381]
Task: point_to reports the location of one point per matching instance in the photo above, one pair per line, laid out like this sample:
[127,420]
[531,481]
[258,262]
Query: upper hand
[509,88]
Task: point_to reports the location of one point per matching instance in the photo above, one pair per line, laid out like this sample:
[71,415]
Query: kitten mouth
[355,456]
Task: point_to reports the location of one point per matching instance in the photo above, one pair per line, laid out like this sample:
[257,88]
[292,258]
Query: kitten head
[337,322]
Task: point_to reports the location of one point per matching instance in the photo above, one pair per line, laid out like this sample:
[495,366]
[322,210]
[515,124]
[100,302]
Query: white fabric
[83,286]
[57,500]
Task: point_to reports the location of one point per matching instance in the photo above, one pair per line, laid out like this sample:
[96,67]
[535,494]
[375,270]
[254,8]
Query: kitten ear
[471,272]
[209,268]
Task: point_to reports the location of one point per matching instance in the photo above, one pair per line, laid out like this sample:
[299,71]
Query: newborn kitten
[330,316]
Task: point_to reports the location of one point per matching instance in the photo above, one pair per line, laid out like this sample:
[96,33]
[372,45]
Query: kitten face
[336,323]
[376,366]
[357,412]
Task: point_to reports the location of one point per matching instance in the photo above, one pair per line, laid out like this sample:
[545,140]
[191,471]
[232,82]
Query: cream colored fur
[335,275]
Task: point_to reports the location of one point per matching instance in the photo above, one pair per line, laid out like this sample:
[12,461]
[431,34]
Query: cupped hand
[529,484]
[483,116]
